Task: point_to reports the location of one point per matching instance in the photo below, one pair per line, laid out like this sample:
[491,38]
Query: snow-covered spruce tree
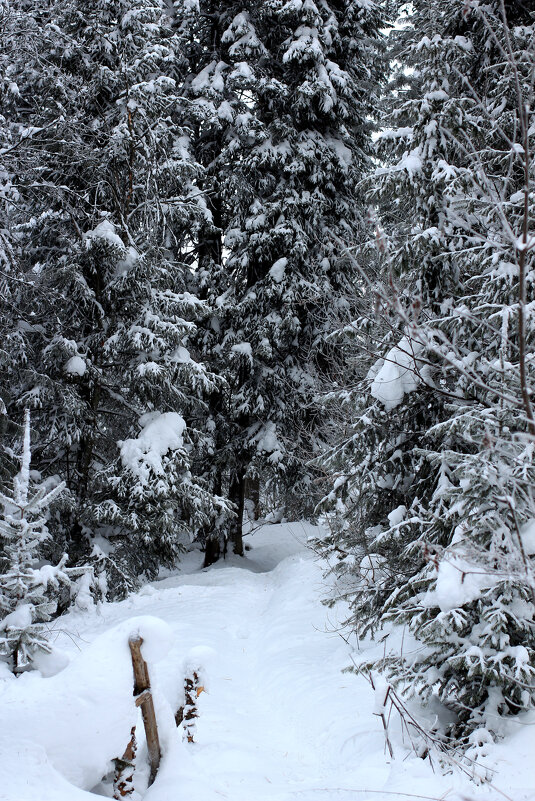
[151,513]
[293,194]
[373,466]
[25,605]
[14,312]
[113,193]
[461,533]
[379,466]
[474,613]
[220,114]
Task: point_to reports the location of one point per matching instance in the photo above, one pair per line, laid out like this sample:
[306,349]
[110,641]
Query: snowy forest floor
[278,721]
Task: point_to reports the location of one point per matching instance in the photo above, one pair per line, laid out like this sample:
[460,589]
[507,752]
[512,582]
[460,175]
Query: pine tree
[14,283]
[284,134]
[480,630]
[222,122]
[24,603]
[446,553]
[112,198]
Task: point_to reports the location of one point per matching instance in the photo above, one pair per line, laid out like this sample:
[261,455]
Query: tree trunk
[210,246]
[252,493]
[213,539]
[237,496]
[143,696]
[212,551]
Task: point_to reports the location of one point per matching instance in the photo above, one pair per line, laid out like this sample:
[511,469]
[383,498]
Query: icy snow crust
[279,721]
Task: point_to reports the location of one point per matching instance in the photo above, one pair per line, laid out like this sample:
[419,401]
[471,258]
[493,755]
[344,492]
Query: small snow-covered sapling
[24,604]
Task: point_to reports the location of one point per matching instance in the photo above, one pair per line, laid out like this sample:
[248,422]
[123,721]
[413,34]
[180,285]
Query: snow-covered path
[279,717]
[279,721]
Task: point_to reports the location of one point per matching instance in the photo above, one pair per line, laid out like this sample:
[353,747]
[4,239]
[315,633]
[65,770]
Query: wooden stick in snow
[123,782]
[188,713]
[143,695]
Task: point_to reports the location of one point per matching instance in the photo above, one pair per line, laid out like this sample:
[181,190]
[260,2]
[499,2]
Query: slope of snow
[278,720]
